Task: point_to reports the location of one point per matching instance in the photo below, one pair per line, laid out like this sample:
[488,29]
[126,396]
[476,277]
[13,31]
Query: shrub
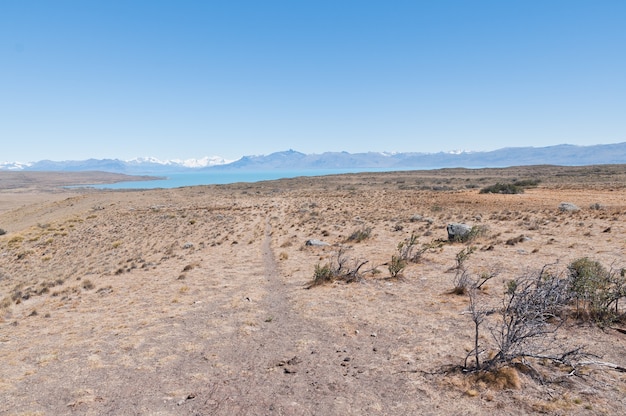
[337,269]
[360,235]
[87,284]
[396,266]
[462,283]
[462,256]
[527,183]
[597,290]
[517,187]
[502,188]
[525,324]
[406,247]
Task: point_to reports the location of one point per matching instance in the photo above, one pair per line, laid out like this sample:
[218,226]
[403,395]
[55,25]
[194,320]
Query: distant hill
[565,155]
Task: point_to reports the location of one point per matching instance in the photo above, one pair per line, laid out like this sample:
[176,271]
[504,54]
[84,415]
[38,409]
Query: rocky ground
[197,301]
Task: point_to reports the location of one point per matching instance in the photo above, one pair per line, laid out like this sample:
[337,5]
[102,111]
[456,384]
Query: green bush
[502,188]
[322,274]
[517,187]
[527,183]
[597,290]
[396,266]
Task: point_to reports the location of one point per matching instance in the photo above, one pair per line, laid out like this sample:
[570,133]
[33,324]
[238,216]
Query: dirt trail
[292,364]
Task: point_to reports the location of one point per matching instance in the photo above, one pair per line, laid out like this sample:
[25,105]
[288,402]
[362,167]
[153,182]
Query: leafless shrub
[462,282]
[526,323]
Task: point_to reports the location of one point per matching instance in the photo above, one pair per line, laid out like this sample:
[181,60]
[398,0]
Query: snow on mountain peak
[14,165]
[188,163]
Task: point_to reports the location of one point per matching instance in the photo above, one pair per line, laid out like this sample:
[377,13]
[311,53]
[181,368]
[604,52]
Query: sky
[186,79]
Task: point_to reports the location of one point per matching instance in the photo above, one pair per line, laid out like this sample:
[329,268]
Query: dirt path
[292,364]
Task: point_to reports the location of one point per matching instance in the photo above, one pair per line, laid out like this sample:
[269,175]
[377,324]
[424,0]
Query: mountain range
[566,155]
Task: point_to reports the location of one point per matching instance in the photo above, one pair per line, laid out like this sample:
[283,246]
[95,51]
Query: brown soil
[194,301]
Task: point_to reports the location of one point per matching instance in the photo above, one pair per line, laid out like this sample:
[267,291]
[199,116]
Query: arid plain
[196,301]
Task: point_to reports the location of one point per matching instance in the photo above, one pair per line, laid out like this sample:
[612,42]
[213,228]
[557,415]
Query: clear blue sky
[186,79]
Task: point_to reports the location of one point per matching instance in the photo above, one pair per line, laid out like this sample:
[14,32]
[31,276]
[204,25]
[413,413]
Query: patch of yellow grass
[501,379]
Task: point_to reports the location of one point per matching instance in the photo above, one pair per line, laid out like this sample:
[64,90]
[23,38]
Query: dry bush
[340,267]
[501,378]
[359,235]
[87,284]
[462,282]
[525,325]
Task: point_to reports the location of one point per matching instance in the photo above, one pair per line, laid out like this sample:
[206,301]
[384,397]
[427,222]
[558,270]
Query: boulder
[314,242]
[568,207]
[458,231]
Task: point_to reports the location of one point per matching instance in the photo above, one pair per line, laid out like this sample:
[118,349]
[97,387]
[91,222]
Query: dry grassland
[194,301]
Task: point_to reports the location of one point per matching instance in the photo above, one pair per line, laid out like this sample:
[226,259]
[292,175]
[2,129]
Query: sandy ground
[194,301]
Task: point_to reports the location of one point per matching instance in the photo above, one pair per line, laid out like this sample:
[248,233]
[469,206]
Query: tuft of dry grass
[502,378]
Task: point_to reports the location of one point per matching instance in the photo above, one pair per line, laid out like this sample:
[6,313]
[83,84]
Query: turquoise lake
[177,180]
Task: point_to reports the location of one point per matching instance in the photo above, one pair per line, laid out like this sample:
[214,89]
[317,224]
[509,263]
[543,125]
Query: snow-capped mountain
[14,165]
[144,165]
[204,162]
[565,155]
[187,163]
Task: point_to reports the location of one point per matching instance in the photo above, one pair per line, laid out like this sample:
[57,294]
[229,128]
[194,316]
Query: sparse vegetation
[396,265]
[322,274]
[462,282]
[516,187]
[462,256]
[340,267]
[87,284]
[408,251]
[502,188]
[361,234]
[376,333]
